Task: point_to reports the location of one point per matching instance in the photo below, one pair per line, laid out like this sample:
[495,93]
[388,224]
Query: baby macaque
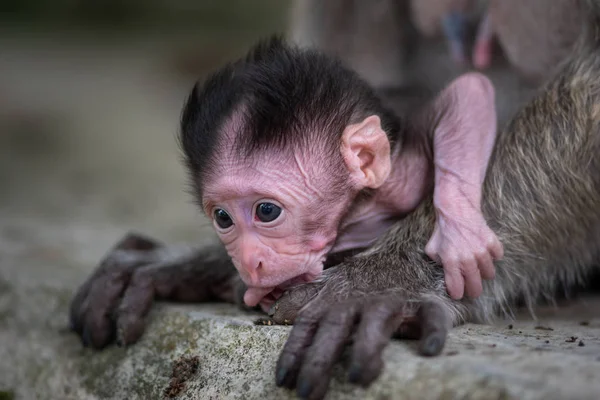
[302,160]
[295,160]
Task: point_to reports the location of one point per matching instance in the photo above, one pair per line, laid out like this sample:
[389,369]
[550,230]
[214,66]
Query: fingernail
[281,374]
[431,346]
[272,310]
[354,374]
[304,389]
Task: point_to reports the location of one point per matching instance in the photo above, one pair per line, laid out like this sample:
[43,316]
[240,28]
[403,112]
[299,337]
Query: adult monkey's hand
[340,310]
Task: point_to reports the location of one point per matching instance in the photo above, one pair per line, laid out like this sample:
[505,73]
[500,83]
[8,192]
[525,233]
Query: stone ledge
[237,360]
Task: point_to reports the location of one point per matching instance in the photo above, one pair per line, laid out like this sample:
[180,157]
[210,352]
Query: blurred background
[90,97]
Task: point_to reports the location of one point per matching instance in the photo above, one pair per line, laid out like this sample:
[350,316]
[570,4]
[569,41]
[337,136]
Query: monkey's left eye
[267,212]
[223,219]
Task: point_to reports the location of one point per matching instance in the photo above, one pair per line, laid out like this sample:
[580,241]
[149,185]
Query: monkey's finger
[76,308]
[116,267]
[300,338]
[455,284]
[136,303]
[81,302]
[431,249]
[435,325]
[287,307]
[328,344]
[473,285]
[496,249]
[132,243]
[379,321]
[485,265]
[96,312]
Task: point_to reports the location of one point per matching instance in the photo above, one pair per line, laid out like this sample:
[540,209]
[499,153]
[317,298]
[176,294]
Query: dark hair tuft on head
[288,98]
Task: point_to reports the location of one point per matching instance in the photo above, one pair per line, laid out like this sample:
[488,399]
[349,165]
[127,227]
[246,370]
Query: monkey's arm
[114,301]
[390,290]
[463,136]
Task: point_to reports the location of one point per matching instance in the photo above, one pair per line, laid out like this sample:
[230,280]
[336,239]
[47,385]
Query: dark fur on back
[288,98]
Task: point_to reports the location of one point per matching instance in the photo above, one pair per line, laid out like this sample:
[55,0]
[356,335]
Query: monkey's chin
[267,296]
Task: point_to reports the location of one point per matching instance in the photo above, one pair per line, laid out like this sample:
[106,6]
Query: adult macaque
[535,35]
[453,19]
[374,38]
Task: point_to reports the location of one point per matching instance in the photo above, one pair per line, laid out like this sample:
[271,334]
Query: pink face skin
[271,256]
[312,189]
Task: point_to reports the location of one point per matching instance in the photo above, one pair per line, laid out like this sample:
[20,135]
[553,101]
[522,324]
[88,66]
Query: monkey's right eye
[223,219]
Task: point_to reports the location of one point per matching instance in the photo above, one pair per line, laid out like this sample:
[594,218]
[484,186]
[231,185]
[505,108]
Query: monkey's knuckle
[452,258]
[114,275]
[470,266]
[336,316]
[142,278]
[480,253]
[495,245]
[384,306]
[490,239]
[465,258]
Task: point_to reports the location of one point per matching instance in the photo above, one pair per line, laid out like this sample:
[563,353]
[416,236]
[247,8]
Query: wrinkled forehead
[266,174]
[271,171]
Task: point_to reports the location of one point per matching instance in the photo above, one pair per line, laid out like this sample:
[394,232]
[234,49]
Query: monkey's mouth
[271,295]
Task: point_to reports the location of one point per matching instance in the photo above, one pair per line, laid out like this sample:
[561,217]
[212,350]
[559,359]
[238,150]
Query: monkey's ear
[366,151]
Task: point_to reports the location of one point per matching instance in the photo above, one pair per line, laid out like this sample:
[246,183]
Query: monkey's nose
[252,272]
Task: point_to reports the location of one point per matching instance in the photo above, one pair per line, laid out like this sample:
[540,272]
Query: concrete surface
[87,152]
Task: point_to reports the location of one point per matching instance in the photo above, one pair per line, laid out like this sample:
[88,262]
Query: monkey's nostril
[259,266]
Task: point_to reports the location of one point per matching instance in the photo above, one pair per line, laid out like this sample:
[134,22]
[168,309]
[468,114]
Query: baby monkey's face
[275,221]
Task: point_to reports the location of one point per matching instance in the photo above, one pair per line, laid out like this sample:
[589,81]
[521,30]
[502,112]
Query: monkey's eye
[223,219]
[267,212]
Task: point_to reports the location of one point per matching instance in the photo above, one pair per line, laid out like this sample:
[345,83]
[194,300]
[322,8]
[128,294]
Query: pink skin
[462,145]
[273,256]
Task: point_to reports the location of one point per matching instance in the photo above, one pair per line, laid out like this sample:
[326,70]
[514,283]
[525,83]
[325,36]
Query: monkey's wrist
[452,198]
